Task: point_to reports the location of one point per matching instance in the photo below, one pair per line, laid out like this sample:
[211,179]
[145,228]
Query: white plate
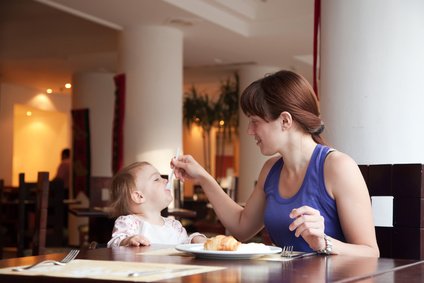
[245,251]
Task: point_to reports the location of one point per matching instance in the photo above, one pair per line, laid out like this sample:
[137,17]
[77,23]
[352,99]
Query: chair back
[100,228]
[56,214]
[41,207]
[1,218]
[99,191]
[22,215]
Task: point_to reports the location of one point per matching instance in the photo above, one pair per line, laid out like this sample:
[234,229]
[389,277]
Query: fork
[287,251]
[69,257]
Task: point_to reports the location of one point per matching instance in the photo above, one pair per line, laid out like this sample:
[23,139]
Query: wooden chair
[22,216]
[56,214]
[99,191]
[38,243]
[100,228]
[2,229]
[42,202]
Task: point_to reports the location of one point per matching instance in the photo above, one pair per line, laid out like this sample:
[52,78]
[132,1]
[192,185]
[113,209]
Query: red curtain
[118,124]
[317,19]
[81,157]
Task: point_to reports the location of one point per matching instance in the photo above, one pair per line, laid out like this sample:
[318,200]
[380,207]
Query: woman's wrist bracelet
[328,246]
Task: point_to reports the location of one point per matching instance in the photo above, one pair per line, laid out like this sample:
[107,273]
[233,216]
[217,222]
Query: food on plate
[222,243]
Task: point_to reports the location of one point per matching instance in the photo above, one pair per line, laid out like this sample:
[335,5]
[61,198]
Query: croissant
[221,243]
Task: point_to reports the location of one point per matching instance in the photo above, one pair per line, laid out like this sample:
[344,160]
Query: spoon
[171,175]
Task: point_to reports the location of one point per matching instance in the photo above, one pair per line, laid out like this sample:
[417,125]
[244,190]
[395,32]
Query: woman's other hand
[309,224]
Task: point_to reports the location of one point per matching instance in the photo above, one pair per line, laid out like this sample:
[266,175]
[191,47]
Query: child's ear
[137,197]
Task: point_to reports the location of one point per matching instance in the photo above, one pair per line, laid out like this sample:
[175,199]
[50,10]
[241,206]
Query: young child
[138,195]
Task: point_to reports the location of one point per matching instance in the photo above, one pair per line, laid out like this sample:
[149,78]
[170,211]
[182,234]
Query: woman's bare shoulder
[267,167]
[337,160]
[341,173]
[271,161]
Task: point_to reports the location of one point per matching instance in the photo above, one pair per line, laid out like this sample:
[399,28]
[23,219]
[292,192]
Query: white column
[251,159]
[371,79]
[152,60]
[94,91]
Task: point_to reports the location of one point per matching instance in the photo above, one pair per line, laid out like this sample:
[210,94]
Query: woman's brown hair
[123,184]
[284,91]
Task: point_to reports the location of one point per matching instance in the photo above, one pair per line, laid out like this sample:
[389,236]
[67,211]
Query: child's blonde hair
[123,184]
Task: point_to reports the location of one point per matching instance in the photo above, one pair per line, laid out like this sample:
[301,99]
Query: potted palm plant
[222,113]
[228,117]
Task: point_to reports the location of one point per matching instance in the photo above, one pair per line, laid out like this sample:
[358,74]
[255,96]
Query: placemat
[114,270]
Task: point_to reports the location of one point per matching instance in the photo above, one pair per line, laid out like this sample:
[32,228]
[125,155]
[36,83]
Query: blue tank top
[312,193]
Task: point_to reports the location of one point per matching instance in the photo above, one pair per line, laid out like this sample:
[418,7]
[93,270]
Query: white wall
[38,141]
[371,92]
[14,94]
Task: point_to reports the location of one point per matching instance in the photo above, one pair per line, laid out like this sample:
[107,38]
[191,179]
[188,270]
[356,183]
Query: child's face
[153,186]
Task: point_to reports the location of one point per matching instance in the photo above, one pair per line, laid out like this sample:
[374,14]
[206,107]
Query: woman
[308,196]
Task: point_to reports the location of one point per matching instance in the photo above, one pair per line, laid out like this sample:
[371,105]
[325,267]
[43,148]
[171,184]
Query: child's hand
[135,241]
[199,239]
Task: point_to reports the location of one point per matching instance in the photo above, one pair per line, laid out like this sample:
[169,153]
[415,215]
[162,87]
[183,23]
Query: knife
[304,255]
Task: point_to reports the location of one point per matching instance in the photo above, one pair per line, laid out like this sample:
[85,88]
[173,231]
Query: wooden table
[310,269]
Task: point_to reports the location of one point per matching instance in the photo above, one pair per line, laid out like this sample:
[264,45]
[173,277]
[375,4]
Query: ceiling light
[68,85]
[29,113]
[49,90]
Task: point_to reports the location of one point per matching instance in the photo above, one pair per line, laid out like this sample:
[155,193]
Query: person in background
[64,169]
[138,195]
[308,195]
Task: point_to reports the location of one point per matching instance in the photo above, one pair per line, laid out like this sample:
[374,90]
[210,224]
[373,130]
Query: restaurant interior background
[47,43]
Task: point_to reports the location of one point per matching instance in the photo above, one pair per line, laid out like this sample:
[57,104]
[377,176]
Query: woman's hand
[309,224]
[135,241]
[187,168]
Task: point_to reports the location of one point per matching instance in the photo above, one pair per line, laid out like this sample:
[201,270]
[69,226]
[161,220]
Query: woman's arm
[242,222]
[346,185]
